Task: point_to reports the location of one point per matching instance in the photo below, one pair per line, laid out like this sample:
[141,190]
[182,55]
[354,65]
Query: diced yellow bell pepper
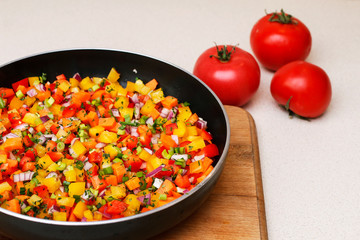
[88,215]
[65,201]
[3,158]
[41,150]
[148,107]
[138,85]
[70,175]
[97,216]
[156,162]
[157,95]
[78,148]
[80,175]
[64,86]
[55,109]
[118,191]
[133,202]
[195,145]
[74,82]
[191,131]
[59,216]
[121,102]
[97,80]
[181,130]
[29,186]
[29,101]
[52,168]
[119,89]
[76,188]
[52,183]
[31,119]
[130,87]
[95,131]
[16,103]
[112,150]
[79,209]
[35,200]
[5,186]
[33,80]
[144,155]
[108,137]
[127,111]
[144,90]
[113,75]
[45,161]
[43,173]
[184,114]
[86,83]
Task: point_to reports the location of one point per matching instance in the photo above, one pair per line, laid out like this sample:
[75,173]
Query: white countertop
[310,170]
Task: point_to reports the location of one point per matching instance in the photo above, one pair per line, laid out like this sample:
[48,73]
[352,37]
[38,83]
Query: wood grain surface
[235,208]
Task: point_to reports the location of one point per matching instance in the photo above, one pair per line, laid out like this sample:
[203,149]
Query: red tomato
[278,38]
[302,87]
[232,73]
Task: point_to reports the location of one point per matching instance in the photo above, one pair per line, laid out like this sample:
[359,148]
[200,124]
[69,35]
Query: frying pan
[174,81]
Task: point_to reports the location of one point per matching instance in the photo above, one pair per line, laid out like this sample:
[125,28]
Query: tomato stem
[291,113]
[223,54]
[283,18]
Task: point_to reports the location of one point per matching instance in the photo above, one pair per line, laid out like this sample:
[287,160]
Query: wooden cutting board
[235,208]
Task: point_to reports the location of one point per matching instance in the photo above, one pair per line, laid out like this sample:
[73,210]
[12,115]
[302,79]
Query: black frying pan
[175,82]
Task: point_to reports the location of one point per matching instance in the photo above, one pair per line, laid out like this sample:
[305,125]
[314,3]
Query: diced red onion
[77,76]
[40,87]
[22,126]
[201,123]
[115,112]
[148,150]
[191,179]
[88,184]
[87,195]
[73,141]
[52,174]
[133,131]
[67,104]
[22,177]
[84,219]
[100,145]
[62,188]
[137,111]
[155,138]
[45,118]
[134,98]
[32,92]
[164,112]
[12,156]
[170,115]
[10,135]
[199,157]
[177,156]
[136,191]
[183,172]
[102,193]
[53,208]
[98,113]
[186,191]
[87,166]
[49,135]
[175,138]
[157,182]
[149,121]
[42,139]
[155,171]
[123,149]
[144,198]
[54,138]
[31,130]
[143,165]
[180,190]
[106,214]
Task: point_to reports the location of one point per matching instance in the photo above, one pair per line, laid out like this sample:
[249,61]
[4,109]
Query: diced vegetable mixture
[87,149]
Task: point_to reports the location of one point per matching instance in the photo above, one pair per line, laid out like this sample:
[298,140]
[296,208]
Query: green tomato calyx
[223,55]
[282,17]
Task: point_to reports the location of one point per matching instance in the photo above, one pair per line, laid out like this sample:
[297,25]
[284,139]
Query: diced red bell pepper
[116,207]
[169,129]
[24,82]
[211,150]
[95,157]
[41,191]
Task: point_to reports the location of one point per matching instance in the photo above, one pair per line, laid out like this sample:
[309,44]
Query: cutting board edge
[258,177]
